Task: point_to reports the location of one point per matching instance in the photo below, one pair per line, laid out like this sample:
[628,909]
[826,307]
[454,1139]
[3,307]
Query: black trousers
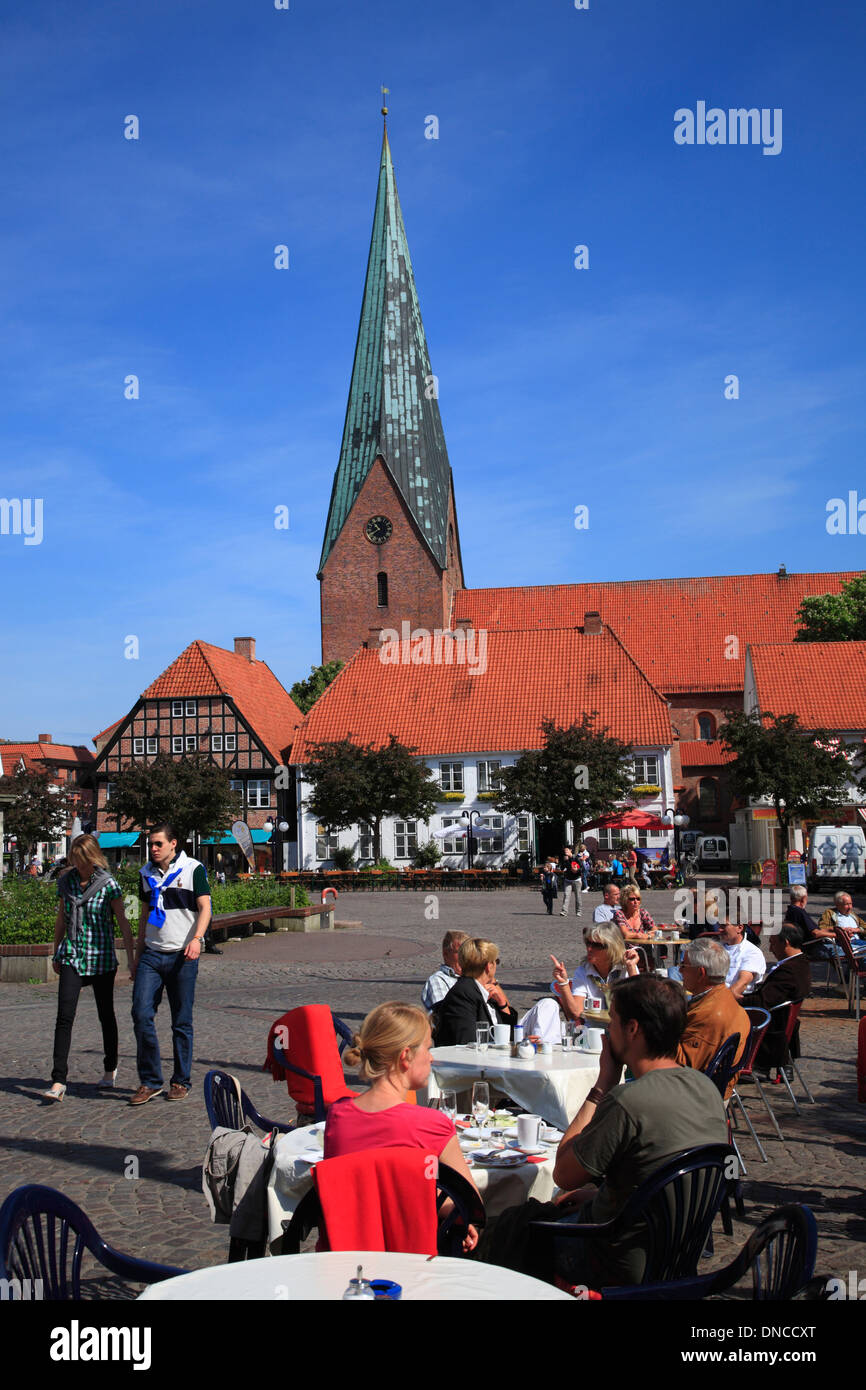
[68,990]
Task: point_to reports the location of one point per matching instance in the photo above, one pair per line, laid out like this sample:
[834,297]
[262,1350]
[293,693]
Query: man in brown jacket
[713,1012]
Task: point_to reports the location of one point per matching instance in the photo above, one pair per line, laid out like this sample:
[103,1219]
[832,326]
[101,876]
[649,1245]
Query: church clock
[378,530]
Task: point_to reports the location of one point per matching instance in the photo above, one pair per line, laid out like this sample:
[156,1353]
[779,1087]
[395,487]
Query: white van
[836,853]
[713,851]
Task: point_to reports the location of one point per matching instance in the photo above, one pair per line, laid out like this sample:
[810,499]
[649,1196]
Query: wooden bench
[317,917]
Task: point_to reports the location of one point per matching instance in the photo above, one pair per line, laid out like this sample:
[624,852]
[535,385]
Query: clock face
[378,530]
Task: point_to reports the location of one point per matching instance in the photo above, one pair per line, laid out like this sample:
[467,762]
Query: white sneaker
[109,1078]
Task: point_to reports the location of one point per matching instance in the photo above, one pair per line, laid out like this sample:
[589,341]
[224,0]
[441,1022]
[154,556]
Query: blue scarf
[156,917]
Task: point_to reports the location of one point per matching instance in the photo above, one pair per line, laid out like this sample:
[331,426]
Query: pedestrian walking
[91,903]
[549,891]
[571,869]
[176,911]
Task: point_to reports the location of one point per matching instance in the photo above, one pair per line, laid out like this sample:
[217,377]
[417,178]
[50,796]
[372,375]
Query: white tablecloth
[326,1276]
[553,1087]
[295,1153]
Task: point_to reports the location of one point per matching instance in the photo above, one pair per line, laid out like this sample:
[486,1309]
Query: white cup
[592,1039]
[527,1131]
[546,1049]
[593,1005]
[501,1034]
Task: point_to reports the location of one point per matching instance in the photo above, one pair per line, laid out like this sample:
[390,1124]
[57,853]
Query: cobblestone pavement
[137,1172]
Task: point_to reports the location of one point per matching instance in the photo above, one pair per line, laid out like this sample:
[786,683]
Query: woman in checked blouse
[90,904]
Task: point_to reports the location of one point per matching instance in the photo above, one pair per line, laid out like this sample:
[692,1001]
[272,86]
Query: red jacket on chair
[379,1199]
[306,1036]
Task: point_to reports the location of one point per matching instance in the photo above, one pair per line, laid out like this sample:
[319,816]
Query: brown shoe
[177,1092]
[144,1094]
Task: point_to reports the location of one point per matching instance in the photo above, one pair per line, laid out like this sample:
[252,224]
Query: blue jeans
[158,970]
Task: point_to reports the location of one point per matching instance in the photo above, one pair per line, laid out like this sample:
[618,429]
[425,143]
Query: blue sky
[558,387]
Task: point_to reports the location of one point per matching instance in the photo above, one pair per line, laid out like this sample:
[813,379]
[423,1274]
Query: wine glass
[480,1102]
[448,1104]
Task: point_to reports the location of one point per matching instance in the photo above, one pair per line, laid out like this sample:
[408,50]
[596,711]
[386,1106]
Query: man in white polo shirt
[746,963]
[175,914]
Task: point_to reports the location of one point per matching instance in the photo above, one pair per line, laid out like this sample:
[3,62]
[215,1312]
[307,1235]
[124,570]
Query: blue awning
[260,837]
[110,839]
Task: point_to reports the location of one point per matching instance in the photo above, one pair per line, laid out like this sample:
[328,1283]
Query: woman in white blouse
[608,959]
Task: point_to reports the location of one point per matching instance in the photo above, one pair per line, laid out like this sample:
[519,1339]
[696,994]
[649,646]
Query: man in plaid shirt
[441,980]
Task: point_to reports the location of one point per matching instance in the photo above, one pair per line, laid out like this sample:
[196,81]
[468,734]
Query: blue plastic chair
[224,1107]
[344,1034]
[36,1224]
[780,1253]
[675,1207]
[344,1038]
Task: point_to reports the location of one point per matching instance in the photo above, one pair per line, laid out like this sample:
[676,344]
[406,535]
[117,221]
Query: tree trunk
[377,840]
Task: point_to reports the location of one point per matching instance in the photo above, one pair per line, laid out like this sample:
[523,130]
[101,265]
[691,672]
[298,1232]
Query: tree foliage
[579,774]
[191,794]
[834,617]
[306,693]
[38,813]
[777,759]
[353,783]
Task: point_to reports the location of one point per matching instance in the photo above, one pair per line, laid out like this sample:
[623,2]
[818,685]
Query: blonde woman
[91,903]
[475,998]
[630,917]
[608,959]
[394,1055]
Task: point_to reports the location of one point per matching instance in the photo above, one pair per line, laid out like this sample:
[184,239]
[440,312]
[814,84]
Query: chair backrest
[223,1100]
[844,940]
[343,1032]
[42,1240]
[677,1207]
[721,1068]
[793,1006]
[760,1022]
[307,1040]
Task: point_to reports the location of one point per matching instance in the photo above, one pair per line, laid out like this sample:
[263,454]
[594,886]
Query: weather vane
[386,91]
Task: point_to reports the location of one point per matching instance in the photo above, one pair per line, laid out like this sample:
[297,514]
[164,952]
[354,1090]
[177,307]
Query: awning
[627,820]
[260,837]
[111,839]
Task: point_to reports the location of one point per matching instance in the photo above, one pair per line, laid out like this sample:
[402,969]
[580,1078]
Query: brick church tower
[391,551]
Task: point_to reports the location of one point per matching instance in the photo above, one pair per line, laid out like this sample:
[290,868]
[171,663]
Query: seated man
[713,1012]
[475,998]
[624,1132]
[789,979]
[844,916]
[439,983]
[607,907]
[796,915]
[746,963]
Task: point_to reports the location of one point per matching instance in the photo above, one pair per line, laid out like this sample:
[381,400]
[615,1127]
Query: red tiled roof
[823,683]
[704,753]
[676,629]
[46,752]
[206,670]
[110,730]
[530,676]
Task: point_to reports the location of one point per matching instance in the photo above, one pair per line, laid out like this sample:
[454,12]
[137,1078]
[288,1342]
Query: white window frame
[491,844]
[177,743]
[405,835]
[487,781]
[216,743]
[643,774]
[450,774]
[524,833]
[231,743]
[260,798]
[326,842]
[365,840]
[177,709]
[452,846]
[137,746]
[190,708]
[190,743]
[109,788]
[152,745]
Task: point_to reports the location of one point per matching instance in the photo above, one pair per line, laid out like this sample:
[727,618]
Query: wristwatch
[596,1094]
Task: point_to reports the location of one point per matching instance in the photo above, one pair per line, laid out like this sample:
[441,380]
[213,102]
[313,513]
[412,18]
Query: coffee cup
[501,1034]
[592,1039]
[546,1049]
[527,1131]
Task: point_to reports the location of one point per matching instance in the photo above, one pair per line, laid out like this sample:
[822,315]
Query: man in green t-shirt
[622,1134]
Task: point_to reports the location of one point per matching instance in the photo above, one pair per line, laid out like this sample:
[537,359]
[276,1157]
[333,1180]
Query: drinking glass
[483,1036]
[480,1102]
[448,1104]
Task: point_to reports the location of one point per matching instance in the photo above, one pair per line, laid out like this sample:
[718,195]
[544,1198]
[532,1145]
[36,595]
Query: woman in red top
[394,1052]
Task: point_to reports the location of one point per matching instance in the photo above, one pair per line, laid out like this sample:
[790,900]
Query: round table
[553,1087]
[326,1275]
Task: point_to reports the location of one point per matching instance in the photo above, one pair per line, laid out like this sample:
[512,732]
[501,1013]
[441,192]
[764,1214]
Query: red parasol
[627,820]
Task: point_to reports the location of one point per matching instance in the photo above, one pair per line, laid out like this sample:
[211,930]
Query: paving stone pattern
[87,1144]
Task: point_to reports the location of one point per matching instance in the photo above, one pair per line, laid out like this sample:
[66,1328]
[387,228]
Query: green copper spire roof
[392,409]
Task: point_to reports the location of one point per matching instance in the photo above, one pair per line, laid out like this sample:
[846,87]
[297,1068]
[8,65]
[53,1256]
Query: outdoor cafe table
[296,1153]
[553,1087]
[662,939]
[325,1276]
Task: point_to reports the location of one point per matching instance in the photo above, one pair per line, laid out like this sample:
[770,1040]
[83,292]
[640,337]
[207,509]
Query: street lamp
[679,822]
[466,819]
[276,831]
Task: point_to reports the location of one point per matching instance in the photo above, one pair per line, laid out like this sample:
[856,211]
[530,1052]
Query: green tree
[353,783]
[804,772]
[191,794]
[306,693]
[579,774]
[39,812]
[834,617]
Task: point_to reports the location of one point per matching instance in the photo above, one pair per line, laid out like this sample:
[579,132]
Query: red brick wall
[686,708]
[418,591]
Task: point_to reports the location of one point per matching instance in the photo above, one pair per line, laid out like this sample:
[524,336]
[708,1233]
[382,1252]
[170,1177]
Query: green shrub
[428,856]
[344,857]
[383,865]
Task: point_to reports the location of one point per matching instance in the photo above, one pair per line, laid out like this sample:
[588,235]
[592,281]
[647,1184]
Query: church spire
[393,411]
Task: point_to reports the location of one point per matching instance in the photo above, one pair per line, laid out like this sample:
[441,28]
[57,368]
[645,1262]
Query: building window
[365,841]
[707,797]
[405,838]
[488,777]
[177,709]
[706,727]
[605,840]
[216,743]
[138,745]
[326,842]
[451,777]
[153,745]
[523,835]
[452,844]
[177,743]
[191,743]
[231,743]
[492,844]
[109,791]
[382,589]
[259,794]
[646,771]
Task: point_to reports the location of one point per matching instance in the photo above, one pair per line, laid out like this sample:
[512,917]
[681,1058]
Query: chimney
[592,625]
[246,646]
[44,738]
[782,572]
